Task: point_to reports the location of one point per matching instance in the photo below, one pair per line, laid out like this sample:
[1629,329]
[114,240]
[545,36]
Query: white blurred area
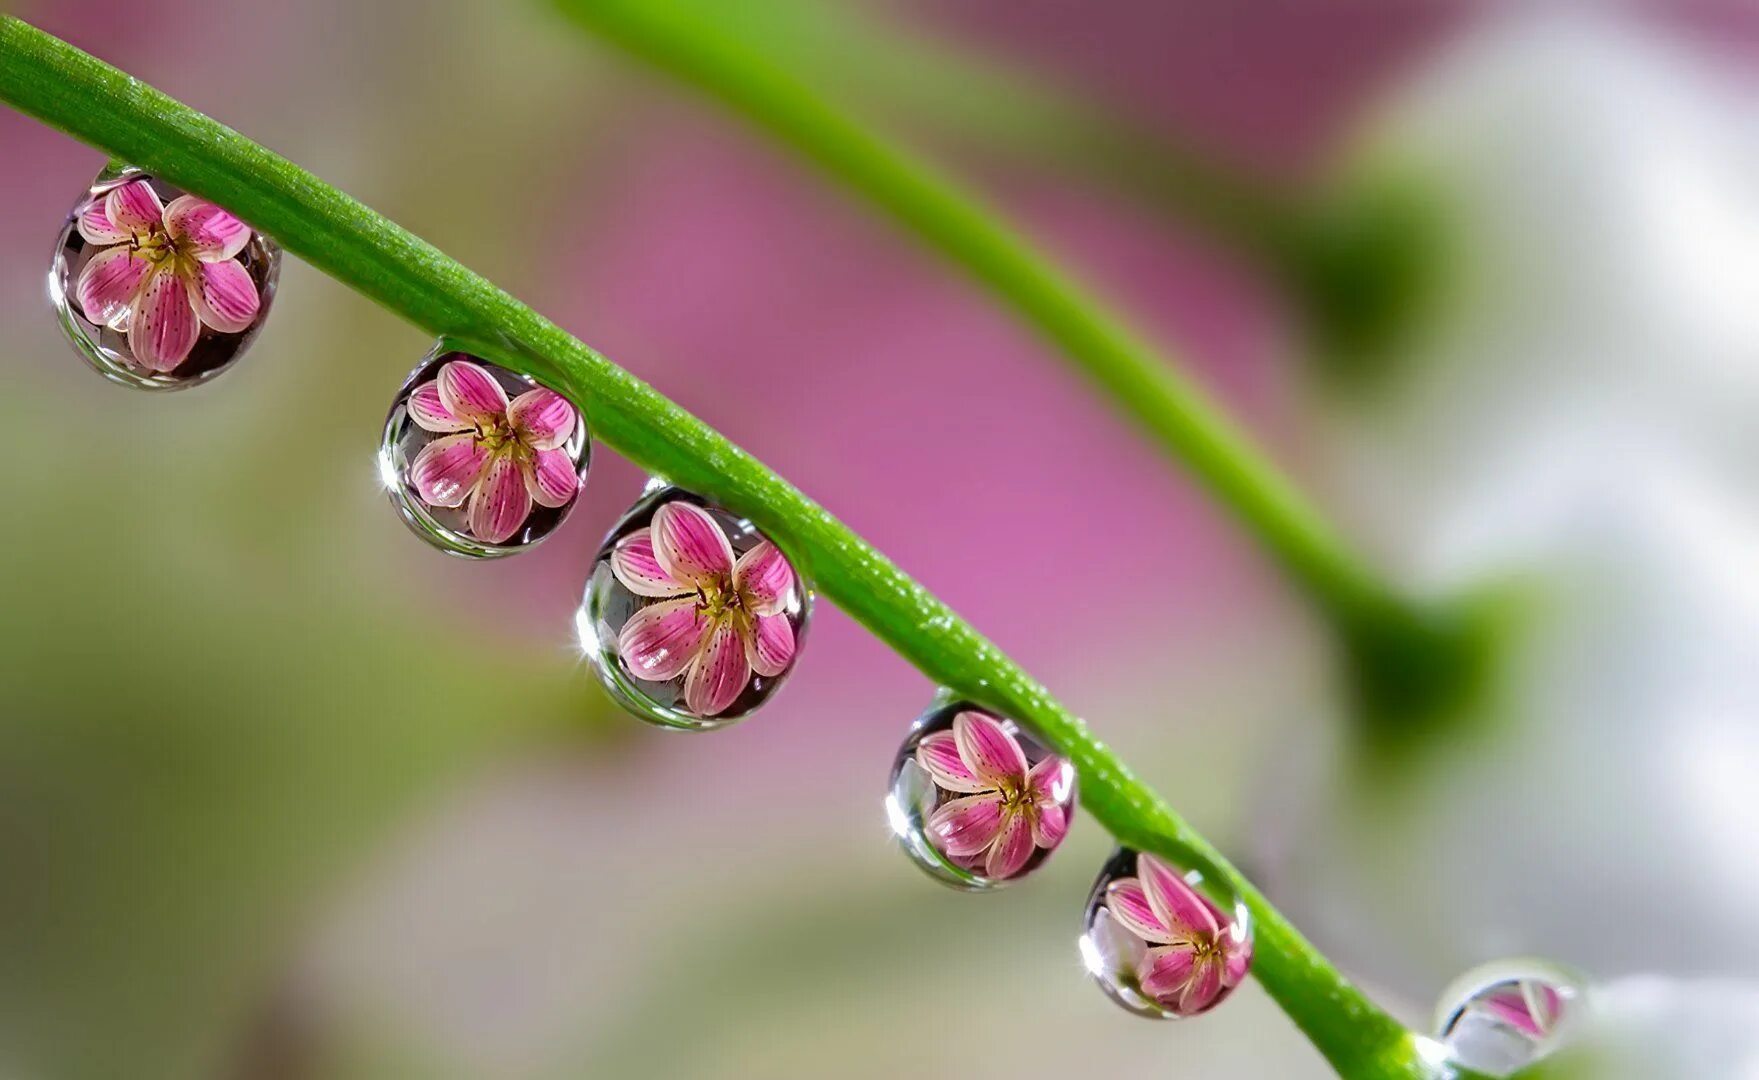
[1580,418]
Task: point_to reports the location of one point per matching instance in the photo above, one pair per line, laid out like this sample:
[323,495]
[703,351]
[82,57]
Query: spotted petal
[1049,825]
[470,392]
[134,208]
[110,282]
[967,826]
[551,479]
[1166,972]
[719,674]
[162,325]
[499,504]
[209,233]
[764,579]
[1203,989]
[1012,848]
[95,226]
[769,648]
[658,642]
[429,411]
[543,419]
[1128,903]
[989,751]
[938,755]
[690,545]
[634,565]
[447,469]
[1177,905]
[224,296]
[1052,780]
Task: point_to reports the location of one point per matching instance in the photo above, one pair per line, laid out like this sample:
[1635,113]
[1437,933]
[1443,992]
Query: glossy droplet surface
[976,800]
[481,461]
[1502,1017]
[692,617]
[1162,941]
[156,289]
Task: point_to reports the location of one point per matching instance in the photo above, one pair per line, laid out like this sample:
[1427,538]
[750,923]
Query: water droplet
[1502,1017]
[976,799]
[692,617]
[157,289]
[1164,942]
[481,461]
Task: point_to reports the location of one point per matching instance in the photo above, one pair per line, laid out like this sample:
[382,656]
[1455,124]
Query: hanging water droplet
[692,617]
[481,461]
[976,800]
[1163,942]
[157,289]
[1502,1017]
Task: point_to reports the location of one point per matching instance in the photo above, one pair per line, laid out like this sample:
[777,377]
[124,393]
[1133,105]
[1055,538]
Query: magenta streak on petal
[1013,846]
[470,392]
[211,234]
[633,564]
[1201,992]
[110,282]
[430,413]
[770,645]
[224,296]
[1052,780]
[135,208]
[1177,905]
[162,326]
[719,674]
[658,642]
[938,755]
[1510,1007]
[499,504]
[95,226]
[1166,972]
[690,545]
[989,751]
[543,419]
[1049,825]
[966,826]
[446,470]
[1129,904]
[551,479]
[764,578]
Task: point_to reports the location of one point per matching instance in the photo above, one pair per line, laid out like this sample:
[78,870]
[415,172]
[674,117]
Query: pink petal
[134,208]
[499,504]
[1052,780]
[720,673]
[543,419]
[224,296]
[109,283]
[1012,848]
[551,479]
[989,751]
[1166,972]
[1049,825]
[633,564]
[1177,905]
[1239,959]
[764,579]
[430,413]
[658,642]
[206,231]
[1200,993]
[769,647]
[690,545]
[966,826]
[95,226]
[1511,1007]
[938,754]
[446,470]
[1129,905]
[470,392]
[162,326]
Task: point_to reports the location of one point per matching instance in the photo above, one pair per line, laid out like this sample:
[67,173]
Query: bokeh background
[285,794]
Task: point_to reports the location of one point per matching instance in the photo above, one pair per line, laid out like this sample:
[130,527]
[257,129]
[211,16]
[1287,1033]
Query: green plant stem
[121,116]
[1094,339]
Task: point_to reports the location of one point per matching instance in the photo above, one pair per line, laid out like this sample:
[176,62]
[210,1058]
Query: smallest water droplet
[1502,1017]
[480,461]
[1164,942]
[156,289]
[977,800]
[692,618]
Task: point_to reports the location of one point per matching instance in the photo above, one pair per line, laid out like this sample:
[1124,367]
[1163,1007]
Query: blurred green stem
[1409,662]
[49,79]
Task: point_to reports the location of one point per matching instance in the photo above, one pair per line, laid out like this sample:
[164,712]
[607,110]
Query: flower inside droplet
[1502,1017]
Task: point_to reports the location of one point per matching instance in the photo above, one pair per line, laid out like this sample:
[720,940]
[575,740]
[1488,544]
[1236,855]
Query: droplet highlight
[155,288]
[976,799]
[692,619]
[1502,1017]
[481,461]
[1164,942]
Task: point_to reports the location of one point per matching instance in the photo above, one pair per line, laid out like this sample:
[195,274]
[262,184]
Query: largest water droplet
[977,800]
[1502,1017]
[156,289]
[692,617]
[1163,941]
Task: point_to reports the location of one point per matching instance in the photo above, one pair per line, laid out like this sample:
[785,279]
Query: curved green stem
[123,117]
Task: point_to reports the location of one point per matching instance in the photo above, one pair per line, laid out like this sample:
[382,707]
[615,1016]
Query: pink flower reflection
[717,621]
[499,457]
[164,272]
[1006,810]
[1195,957]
